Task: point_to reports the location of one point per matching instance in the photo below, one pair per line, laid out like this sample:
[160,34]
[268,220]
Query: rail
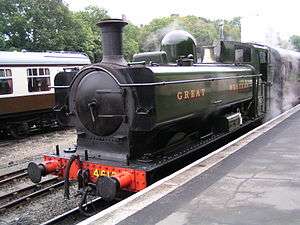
[29,196]
[5,178]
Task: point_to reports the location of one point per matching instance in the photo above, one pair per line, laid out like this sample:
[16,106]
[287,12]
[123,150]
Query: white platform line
[140,200]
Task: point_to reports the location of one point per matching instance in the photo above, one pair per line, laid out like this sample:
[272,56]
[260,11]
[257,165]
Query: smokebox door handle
[91,106]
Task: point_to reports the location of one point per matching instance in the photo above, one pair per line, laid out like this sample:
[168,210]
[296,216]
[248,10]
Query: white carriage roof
[43,58]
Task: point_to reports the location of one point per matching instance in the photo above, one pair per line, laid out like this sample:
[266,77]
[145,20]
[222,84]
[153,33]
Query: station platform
[252,180]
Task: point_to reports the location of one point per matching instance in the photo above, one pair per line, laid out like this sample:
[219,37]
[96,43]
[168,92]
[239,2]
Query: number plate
[98,173]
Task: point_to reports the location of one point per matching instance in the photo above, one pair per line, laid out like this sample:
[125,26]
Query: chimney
[111,30]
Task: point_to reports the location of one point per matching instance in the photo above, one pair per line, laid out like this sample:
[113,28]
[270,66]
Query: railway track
[12,199]
[74,215]
[9,177]
[5,143]
[27,193]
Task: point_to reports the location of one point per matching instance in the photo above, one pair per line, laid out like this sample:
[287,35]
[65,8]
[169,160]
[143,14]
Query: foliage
[88,19]
[205,31]
[36,24]
[295,40]
[130,41]
[232,28]
[40,25]
[152,33]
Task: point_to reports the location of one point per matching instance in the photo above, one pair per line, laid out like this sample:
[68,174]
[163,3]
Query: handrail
[162,83]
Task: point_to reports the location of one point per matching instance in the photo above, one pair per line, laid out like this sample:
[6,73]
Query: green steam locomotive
[134,120]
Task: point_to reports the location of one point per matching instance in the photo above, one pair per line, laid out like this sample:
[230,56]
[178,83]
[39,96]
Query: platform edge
[140,200]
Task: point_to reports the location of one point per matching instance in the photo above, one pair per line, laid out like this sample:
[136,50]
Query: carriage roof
[43,58]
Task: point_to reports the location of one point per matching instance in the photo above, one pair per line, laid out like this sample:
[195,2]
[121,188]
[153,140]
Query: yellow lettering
[203,92]
[186,95]
[103,173]
[193,94]
[190,94]
[179,95]
[96,173]
[241,85]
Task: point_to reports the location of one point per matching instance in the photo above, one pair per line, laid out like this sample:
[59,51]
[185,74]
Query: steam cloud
[152,43]
[284,94]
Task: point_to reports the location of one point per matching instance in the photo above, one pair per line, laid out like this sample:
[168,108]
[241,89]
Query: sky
[283,16]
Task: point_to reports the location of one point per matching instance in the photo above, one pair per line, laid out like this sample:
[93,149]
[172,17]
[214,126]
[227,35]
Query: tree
[152,33]
[131,41]
[295,40]
[202,29]
[88,18]
[2,38]
[37,25]
[232,28]
[91,42]
[15,28]
[205,31]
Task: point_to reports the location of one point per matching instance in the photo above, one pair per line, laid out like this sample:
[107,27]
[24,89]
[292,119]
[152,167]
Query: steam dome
[178,43]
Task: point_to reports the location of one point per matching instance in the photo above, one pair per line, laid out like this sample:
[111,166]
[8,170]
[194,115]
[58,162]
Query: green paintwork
[178,44]
[168,107]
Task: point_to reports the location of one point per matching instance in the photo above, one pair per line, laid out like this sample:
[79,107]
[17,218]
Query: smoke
[285,63]
[152,42]
[285,91]
[289,69]
[262,30]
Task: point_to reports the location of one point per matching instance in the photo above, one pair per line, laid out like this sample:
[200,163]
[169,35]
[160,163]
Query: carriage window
[34,72]
[6,84]
[38,79]
[41,72]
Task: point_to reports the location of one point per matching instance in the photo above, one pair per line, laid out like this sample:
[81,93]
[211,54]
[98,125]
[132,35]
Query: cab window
[6,83]
[242,54]
[38,79]
[263,57]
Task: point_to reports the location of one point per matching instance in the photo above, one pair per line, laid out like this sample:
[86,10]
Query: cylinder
[111,31]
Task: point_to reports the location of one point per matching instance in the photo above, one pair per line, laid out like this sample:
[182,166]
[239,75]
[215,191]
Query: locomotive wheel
[3,134]
[19,131]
